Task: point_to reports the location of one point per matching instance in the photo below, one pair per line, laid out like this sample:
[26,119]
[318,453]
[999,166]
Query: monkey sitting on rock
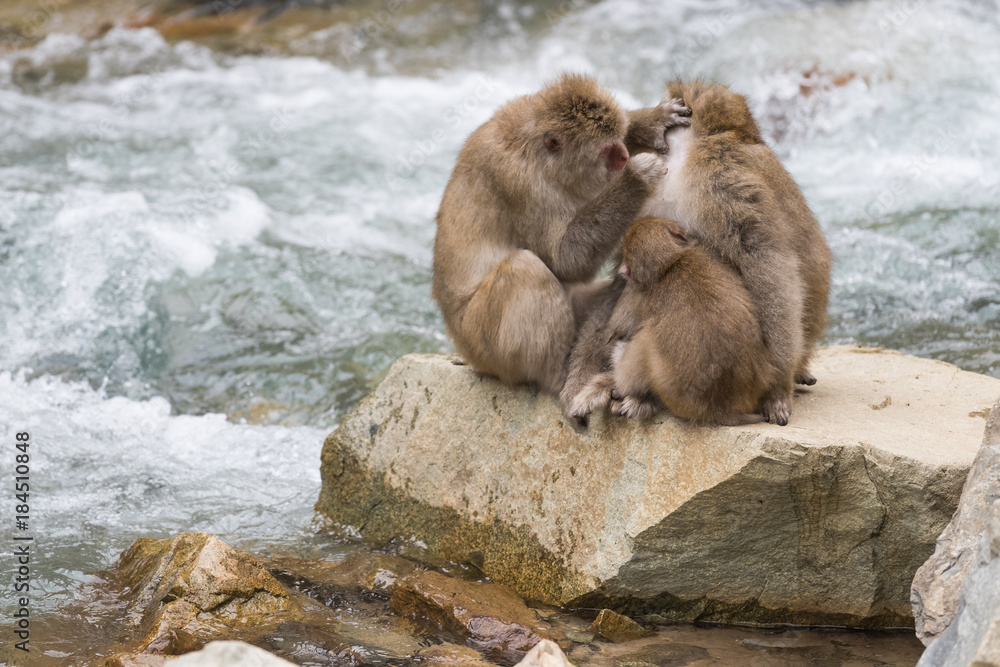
[728,190]
[539,200]
[684,333]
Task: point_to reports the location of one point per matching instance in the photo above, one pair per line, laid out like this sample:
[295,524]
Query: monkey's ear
[552,141]
[677,232]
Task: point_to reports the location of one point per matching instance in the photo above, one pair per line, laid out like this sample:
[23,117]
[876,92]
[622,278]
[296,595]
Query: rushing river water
[206,260]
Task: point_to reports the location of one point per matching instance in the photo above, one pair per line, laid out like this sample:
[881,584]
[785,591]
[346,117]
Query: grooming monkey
[728,189]
[685,333]
[539,199]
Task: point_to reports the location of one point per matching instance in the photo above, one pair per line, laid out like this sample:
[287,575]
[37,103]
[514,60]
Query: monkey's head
[716,109]
[578,133]
[651,247]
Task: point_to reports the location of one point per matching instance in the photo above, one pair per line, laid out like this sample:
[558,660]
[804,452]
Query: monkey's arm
[626,320]
[647,128]
[589,358]
[599,225]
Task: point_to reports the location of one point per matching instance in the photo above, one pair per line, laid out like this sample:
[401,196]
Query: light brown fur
[533,208]
[686,330]
[727,188]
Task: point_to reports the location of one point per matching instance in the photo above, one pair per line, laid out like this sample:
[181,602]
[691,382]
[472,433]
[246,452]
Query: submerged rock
[820,522]
[138,660]
[452,655]
[617,628]
[187,590]
[956,593]
[488,617]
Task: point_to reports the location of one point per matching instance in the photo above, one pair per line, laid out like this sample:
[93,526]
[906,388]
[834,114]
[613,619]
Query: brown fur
[590,357]
[726,187]
[688,330]
[647,127]
[532,211]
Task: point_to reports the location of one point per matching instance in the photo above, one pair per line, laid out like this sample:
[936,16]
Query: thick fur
[531,212]
[590,357]
[727,188]
[686,331]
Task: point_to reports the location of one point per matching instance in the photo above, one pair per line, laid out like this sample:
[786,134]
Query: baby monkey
[685,331]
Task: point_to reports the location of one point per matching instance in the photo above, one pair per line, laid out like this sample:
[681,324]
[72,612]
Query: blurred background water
[209,255]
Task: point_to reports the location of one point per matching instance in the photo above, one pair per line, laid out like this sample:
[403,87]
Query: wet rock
[369,571]
[488,617]
[820,522]
[956,593]
[939,582]
[545,654]
[230,654]
[184,591]
[138,660]
[453,655]
[617,628]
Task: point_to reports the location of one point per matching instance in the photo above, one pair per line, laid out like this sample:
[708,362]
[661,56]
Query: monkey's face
[581,163]
[582,130]
[651,247]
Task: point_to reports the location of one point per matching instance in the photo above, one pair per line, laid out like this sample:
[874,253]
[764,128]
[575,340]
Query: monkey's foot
[777,410]
[634,407]
[457,361]
[595,394]
[806,378]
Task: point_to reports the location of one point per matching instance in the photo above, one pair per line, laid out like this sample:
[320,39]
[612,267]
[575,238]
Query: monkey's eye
[553,142]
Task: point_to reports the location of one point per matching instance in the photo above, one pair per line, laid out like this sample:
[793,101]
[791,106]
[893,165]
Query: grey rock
[824,521]
[939,582]
[956,593]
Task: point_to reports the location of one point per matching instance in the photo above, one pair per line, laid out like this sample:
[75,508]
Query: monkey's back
[738,182]
[701,341]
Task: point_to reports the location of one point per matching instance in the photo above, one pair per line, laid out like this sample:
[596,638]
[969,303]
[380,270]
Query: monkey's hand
[649,168]
[595,394]
[647,128]
[675,113]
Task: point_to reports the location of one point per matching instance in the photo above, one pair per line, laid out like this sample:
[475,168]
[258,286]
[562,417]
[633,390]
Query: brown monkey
[727,188]
[684,331]
[540,197]
[590,358]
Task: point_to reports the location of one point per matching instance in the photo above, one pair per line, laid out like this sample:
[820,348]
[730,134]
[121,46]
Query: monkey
[539,199]
[590,359]
[684,333]
[726,187]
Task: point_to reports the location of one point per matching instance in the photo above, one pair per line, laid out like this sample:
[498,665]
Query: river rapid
[208,258]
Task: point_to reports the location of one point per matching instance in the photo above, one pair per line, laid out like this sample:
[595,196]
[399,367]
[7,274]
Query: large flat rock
[823,521]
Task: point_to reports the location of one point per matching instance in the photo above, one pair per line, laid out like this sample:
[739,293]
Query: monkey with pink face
[539,200]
